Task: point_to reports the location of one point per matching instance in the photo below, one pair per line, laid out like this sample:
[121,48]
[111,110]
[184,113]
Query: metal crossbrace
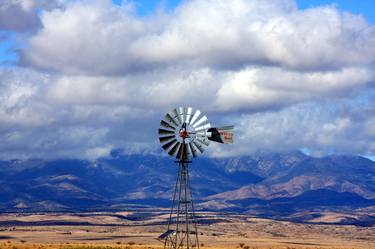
[182,223]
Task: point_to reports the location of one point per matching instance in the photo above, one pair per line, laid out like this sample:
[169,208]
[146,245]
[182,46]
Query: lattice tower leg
[182,220]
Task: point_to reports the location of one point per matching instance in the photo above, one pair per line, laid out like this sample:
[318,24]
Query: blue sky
[147,6]
[362,7]
[93,77]
[365,8]
[6,46]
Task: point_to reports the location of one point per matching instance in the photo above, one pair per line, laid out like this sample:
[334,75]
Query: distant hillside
[292,175]
[264,184]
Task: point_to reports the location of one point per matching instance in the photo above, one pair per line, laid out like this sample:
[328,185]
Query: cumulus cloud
[49,116]
[251,89]
[34,124]
[101,38]
[257,89]
[317,128]
[96,76]
[249,55]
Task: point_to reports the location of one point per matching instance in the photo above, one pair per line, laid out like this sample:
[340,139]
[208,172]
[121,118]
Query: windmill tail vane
[185,133]
[222,135]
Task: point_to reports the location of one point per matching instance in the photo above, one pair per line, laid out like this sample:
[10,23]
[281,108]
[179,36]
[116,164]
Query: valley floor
[139,230]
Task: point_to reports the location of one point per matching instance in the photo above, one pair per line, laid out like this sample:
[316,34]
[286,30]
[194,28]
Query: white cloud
[262,88]
[51,116]
[32,124]
[251,89]
[99,77]
[85,37]
[102,38]
[319,128]
[247,55]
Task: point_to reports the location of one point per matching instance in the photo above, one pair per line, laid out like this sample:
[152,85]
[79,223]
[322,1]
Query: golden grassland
[113,231]
[25,245]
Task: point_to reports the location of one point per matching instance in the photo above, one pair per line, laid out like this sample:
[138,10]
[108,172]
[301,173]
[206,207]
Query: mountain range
[264,184]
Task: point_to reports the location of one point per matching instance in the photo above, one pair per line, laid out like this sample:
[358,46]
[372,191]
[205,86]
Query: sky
[80,78]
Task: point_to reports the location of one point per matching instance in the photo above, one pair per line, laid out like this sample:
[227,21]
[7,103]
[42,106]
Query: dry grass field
[137,230]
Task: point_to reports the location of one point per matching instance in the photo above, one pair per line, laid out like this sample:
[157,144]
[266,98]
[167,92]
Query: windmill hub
[184,133]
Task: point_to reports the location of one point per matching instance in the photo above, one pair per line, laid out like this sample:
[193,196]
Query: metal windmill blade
[177,133]
[185,132]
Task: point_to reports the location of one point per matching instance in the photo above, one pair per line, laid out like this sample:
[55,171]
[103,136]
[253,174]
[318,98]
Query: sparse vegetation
[222,235]
[19,245]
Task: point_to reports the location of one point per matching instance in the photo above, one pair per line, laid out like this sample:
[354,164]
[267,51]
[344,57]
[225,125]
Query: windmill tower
[184,133]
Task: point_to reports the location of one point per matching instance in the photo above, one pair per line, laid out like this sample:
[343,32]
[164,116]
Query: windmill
[184,133]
